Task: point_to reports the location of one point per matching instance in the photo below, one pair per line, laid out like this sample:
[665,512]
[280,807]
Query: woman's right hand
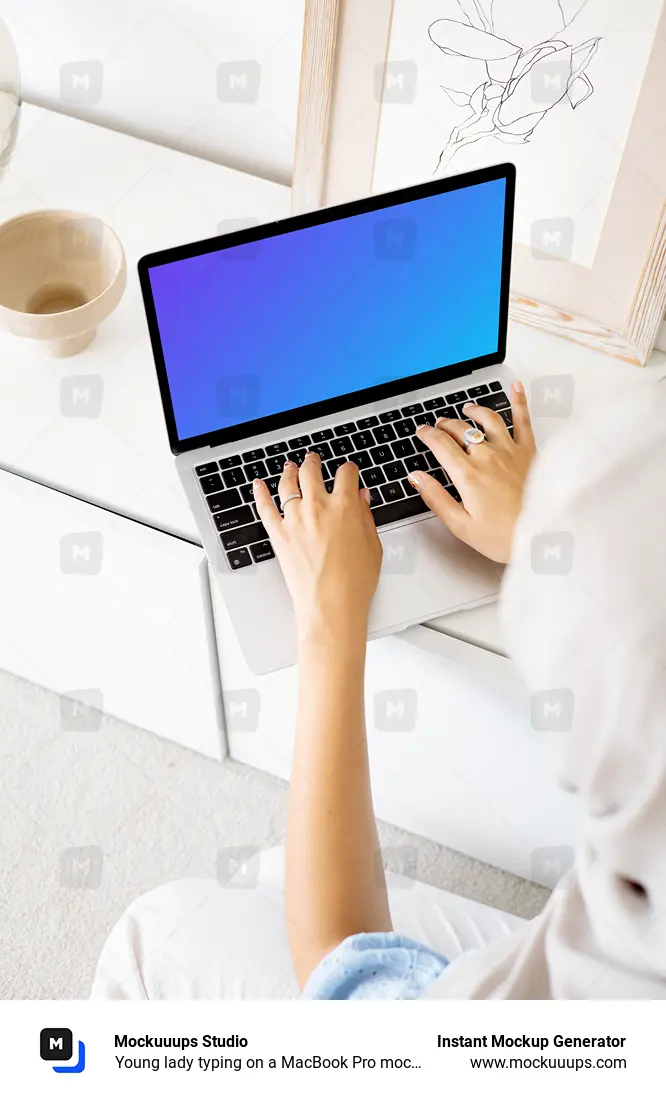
[490,477]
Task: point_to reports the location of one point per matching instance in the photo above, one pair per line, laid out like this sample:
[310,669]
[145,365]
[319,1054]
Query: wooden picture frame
[617,305]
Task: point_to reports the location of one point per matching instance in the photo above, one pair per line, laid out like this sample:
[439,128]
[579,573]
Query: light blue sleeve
[375,966]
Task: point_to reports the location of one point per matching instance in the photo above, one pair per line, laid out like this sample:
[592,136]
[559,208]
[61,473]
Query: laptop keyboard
[384,447]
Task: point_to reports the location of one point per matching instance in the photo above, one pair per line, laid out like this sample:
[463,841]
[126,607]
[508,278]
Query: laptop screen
[289,322]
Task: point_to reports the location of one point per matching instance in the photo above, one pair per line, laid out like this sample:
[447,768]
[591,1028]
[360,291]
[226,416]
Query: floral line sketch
[507,89]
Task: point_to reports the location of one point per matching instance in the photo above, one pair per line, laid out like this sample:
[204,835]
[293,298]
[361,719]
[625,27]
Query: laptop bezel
[330,406]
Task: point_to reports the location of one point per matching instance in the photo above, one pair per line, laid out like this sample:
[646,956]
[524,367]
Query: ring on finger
[292,496]
[473,437]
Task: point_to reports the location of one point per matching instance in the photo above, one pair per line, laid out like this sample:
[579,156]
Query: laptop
[340,330]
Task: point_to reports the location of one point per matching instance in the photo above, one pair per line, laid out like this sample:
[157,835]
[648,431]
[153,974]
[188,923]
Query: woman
[596,626]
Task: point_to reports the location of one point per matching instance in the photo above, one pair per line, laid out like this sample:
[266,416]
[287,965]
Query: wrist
[336,631]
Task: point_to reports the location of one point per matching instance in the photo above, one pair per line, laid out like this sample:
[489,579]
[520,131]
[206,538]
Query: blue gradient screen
[271,326]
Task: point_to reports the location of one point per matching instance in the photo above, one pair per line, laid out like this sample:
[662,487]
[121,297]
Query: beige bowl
[61,275]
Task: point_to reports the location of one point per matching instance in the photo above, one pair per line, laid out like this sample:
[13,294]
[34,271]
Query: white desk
[129,623]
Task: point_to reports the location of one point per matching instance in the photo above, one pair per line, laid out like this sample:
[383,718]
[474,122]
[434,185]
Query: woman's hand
[490,477]
[326,544]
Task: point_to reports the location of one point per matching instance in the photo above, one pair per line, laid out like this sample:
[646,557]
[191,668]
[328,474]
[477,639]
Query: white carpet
[92,820]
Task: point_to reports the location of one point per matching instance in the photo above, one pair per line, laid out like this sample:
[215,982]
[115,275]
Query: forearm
[335,883]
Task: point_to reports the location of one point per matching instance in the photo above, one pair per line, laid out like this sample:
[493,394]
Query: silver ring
[473,436]
[294,496]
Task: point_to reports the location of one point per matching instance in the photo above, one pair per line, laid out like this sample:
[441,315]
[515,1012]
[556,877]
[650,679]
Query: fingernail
[441,420]
[469,405]
[313,453]
[257,481]
[518,387]
[288,463]
[415,478]
[366,494]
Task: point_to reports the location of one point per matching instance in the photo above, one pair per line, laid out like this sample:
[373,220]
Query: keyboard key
[254,456]
[243,536]
[399,509]
[345,429]
[234,477]
[375,498]
[255,469]
[440,476]
[230,462]
[323,450]
[494,386]
[496,401]
[211,484]
[335,464]
[272,485]
[342,446]
[450,412]
[374,476]
[239,559]
[419,445]
[434,403]
[262,551]
[276,449]
[300,441]
[416,462]
[412,410]
[367,422]
[221,501]
[363,440]
[329,486]
[425,418]
[388,417]
[395,471]
[380,455]
[324,471]
[325,433]
[385,433]
[477,391]
[507,417]
[362,459]
[237,517]
[432,461]
[455,398]
[207,468]
[403,448]
[275,465]
[247,493]
[459,410]
[405,428]
[454,493]
[393,491]
[297,456]
[410,491]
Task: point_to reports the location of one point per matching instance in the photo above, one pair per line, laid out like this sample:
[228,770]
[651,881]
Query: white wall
[155,71]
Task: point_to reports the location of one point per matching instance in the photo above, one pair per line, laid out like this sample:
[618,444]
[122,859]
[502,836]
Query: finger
[455,428]
[310,478]
[493,426]
[522,422]
[446,449]
[440,502]
[346,479]
[268,513]
[288,484]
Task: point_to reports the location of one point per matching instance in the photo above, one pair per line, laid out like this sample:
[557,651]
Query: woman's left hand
[326,544]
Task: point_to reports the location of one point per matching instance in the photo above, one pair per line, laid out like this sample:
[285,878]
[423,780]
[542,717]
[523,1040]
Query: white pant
[199,940]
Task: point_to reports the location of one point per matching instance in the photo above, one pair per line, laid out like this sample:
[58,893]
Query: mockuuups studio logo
[396,239]
[241,710]
[400,861]
[552,239]
[395,82]
[399,554]
[395,711]
[81,395]
[237,398]
[553,710]
[552,395]
[81,82]
[548,866]
[238,81]
[552,552]
[56,1044]
[81,553]
[238,867]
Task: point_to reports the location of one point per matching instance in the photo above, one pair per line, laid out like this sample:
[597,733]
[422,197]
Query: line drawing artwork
[528,68]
